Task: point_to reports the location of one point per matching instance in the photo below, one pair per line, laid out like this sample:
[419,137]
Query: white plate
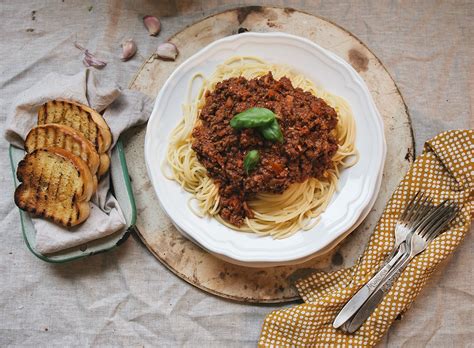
[319,252]
[358,185]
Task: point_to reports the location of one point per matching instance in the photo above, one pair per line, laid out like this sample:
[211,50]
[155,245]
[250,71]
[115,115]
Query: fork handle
[377,296]
[361,296]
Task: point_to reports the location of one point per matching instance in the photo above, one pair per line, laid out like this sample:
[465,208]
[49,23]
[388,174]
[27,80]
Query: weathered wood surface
[204,270]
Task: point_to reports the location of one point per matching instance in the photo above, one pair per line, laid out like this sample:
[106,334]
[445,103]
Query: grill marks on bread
[64,153]
[84,120]
[55,184]
[64,137]
[70,115]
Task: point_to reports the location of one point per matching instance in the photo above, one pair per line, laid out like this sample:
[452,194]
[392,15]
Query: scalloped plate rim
[227,248]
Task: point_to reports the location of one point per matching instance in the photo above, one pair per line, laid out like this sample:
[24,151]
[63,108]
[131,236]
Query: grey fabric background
[126,297]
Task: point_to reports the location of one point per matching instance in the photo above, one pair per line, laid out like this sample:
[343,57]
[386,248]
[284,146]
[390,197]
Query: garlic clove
[167,51]
[90,60]
[152,24]
[129,48]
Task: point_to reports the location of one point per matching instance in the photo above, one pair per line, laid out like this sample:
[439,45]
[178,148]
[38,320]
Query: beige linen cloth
[123,109]
[443,171]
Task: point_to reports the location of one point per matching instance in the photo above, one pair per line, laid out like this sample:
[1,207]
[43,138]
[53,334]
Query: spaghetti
[278,215]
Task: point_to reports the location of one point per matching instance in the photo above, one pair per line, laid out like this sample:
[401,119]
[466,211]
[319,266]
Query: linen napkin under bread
[123,109]
[444,171]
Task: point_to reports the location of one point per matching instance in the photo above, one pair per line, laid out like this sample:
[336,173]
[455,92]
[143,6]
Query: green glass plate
[122,190]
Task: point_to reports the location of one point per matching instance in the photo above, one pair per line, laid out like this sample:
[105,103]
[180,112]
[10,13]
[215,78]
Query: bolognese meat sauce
[306,121]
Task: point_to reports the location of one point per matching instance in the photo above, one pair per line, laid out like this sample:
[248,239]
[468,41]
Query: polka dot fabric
[444,171]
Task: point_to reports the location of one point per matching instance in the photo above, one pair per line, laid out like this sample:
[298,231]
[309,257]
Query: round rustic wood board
[202,269]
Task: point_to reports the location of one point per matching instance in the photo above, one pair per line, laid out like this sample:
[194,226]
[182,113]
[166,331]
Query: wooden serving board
[198,267]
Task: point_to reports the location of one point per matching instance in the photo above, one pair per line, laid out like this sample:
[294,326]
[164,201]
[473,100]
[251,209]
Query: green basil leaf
[251,160]
[272,132]
[252,118]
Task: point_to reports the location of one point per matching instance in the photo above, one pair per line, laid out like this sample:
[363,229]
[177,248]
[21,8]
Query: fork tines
[438,219]
[416,210]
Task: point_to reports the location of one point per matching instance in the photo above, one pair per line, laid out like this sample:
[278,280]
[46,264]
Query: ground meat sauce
[309,145]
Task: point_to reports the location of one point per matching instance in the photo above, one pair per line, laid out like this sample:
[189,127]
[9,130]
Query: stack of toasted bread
[66,155]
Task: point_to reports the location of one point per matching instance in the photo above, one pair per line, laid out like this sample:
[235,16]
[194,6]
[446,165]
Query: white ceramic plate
[358,184]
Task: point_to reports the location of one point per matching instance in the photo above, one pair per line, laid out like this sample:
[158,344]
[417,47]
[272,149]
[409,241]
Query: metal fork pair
[417,226]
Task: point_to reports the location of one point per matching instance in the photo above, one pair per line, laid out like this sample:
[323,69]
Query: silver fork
[432,226]
[416,208]
[411,217]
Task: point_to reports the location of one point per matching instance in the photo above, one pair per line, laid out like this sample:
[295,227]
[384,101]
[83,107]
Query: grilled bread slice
[65,137]
[55,184]
[83,119]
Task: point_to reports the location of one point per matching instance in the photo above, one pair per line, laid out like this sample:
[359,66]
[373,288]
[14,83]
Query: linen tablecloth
[126,297]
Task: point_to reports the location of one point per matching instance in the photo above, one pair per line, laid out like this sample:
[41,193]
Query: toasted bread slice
[104,164]
[65,137]
[83,119]
[55,184]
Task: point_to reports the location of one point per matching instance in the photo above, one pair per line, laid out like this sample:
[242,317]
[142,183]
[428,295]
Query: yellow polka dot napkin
[443,171]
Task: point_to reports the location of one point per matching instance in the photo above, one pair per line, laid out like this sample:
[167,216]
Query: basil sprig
[261,118]
[251,160]
[272,132]
[252,118]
